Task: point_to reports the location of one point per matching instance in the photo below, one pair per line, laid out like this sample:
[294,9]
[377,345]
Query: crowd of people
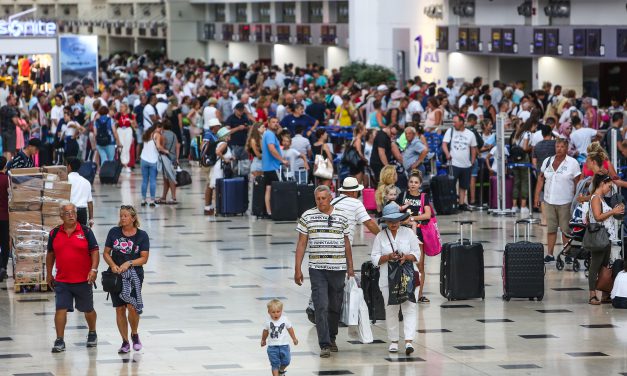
[309,125]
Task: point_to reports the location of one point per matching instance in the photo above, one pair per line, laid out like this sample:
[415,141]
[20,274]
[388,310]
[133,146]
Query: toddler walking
[277,328]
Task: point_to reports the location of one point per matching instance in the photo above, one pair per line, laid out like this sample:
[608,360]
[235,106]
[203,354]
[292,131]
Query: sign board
[79,60]
[16,28]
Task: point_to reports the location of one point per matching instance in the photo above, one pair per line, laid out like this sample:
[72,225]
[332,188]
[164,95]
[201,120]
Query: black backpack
[103,137]
[208,156]
[480,141]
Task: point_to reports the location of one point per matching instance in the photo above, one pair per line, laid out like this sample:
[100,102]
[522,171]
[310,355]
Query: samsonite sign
[16,28]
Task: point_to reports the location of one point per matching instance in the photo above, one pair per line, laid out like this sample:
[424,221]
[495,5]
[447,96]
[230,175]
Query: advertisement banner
[79,60]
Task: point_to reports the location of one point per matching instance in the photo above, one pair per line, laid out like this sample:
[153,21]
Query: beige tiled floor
[205,299]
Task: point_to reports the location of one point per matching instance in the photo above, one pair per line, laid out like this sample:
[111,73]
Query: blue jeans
[279,356]
[149,173]
[107,153]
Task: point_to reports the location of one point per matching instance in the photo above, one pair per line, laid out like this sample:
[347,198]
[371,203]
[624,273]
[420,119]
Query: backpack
[516,153]
[480,141]
[55,231]
[208,156]
[103,137]
[139,115]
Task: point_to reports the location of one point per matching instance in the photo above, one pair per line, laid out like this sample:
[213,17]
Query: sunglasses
[129,208]
[330,221]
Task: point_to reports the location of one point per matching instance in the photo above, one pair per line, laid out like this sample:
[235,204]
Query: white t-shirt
[413,107]
[80,194]
[620,285]
[582,138]
[277,331]
[189,89]
[149,110]
[67,130]
[478,112]
[567,113]
[296,162]
[161,108]
[559,185]
[459,146]
[301,144]
[56,114]
[209,113]
[536,137]
[524,115]
[355,212]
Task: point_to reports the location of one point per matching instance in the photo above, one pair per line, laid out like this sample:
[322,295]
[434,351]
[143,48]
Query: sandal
[172,202]
[606,300]
[423,300]
[594,301]
[160,202]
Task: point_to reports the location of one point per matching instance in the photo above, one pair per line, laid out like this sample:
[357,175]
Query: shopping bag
[400,283]
[350,306]
[365,332]
[430,232]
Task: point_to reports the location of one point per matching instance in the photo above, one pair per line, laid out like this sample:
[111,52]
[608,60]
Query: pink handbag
[369,199]
[430,233]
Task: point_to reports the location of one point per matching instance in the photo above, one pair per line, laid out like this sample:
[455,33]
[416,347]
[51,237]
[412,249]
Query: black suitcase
[461,268]
[259,197]
[372,293]
[523,267]
[88,169]
[306,198]
[284,201]
[110,172]
[444,194]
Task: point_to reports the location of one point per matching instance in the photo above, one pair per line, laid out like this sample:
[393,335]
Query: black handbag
[183,178]
[351,158]
[596,237]
[111,282]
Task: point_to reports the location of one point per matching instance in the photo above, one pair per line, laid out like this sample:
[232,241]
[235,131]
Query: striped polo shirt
[325,243]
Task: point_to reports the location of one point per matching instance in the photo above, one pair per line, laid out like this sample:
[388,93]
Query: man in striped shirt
[325,230]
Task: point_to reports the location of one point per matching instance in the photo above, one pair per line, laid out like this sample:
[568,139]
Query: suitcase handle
[527,229]
[463,223]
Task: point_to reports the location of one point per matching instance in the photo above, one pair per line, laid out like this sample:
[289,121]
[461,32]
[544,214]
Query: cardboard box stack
[34,197]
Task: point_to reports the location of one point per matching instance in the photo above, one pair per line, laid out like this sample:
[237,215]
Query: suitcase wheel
[539,298]
[576,266]
[506,297]
[531,299]
[559,264]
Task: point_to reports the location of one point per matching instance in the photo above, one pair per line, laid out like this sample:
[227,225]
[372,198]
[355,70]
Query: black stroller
[574,249]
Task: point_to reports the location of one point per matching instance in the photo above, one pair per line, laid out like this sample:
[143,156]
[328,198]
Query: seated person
[619,291]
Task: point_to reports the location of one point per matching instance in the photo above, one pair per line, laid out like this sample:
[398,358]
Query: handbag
[596,237]
[351,158]
[111,282]
[401,280]
[605,282]
[431,243]
[227,170]
[323,168]
[183,178]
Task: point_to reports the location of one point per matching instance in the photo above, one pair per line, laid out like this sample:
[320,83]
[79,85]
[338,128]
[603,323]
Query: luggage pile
[34,197]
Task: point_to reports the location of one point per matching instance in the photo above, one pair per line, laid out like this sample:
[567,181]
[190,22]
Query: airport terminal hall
[313,187]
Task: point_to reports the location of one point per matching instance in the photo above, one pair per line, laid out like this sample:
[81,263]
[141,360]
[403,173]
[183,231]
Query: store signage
[15,28]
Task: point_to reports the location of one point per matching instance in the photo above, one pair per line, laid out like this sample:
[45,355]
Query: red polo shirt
[73,253]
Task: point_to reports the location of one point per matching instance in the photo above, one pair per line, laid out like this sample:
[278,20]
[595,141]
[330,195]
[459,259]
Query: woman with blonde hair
[387,178]
[126,252]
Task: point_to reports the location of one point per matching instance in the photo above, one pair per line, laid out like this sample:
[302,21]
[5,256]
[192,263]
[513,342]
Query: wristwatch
[95,270]
[130,262]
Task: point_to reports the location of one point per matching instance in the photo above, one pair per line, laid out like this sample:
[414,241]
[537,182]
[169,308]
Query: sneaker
[125,348]
[209,210]
[393,347]
[137,344]
[144,203]
[3,274]
[325,352]
[464,207]
[127,170]
[333,347]
[153,204]
[549,258]
[524,212]
[515,209]
[92,339]
[409,349]
[59,346]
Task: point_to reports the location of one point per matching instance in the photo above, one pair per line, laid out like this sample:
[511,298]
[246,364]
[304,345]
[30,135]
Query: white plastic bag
[365,332]
[350,306]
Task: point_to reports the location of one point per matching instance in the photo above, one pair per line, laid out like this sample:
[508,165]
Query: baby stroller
[573,248]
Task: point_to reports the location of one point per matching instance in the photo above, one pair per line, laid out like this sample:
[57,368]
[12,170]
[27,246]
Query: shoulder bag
[596,237]
[430,233]
[111,282]
[323,167]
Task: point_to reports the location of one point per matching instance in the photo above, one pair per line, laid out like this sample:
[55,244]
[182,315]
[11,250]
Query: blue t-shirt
[268,161]
[290,122]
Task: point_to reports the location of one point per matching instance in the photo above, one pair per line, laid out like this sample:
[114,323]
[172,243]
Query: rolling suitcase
[370,203]
[461,268]
[523,267]
[231,196]
[284,201]
[306,198]
[372,293]
[444,194]
[259,197]
[509,189]
[88,169]
[110,171]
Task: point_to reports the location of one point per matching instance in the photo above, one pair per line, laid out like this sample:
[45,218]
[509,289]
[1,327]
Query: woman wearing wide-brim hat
[396,243]
[225,157]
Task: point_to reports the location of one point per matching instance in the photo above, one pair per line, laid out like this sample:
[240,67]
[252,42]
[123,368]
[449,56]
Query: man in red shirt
[4,219]
[74,249]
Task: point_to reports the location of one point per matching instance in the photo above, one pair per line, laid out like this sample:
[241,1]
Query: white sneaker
[524,212]
[128,170]
[393,347]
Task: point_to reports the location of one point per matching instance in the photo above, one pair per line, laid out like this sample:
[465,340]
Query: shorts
[116,301]
[557,216]
[462,175]
[69,295]
[209,170]
[255,166]
[475,169]
[9,140]
[279,356]
[139,133]
[270,176]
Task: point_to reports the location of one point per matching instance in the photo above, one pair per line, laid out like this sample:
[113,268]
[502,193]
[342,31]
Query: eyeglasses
[330,221]
[128,207]
[70,213]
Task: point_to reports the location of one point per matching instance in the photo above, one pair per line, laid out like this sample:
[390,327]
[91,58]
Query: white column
[565,72]
[284,54]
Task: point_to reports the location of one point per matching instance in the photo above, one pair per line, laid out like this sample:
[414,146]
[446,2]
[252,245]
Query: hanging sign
[16,28]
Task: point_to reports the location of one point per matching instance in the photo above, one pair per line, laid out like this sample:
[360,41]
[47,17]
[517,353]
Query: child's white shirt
[277,331]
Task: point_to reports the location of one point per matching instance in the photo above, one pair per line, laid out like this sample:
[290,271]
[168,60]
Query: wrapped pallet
[34,198]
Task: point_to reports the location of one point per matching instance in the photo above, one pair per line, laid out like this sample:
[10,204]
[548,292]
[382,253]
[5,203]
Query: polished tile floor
[208,281]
